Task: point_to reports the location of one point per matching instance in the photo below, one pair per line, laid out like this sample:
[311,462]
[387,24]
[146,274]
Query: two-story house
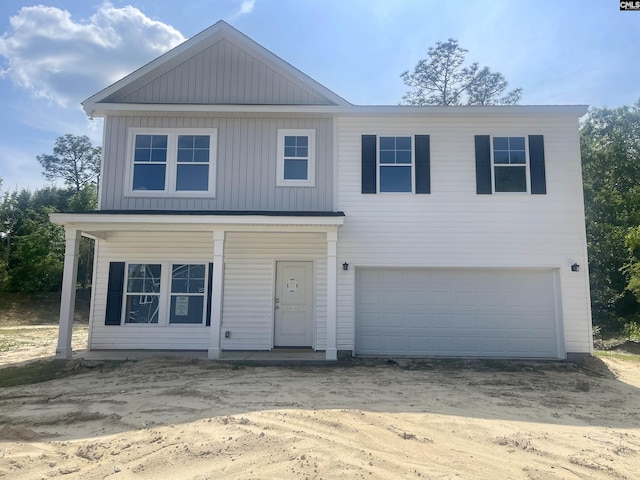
[244,206]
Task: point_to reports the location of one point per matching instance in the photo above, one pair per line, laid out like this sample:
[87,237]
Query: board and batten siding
[245,165]
[249,277]
[249,288]
[221,73]
[454,227]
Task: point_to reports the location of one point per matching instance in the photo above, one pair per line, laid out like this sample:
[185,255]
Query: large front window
[166,293]
[180,163]
[395,161]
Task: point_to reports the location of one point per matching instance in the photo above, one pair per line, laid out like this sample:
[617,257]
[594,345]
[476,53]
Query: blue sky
[56,54]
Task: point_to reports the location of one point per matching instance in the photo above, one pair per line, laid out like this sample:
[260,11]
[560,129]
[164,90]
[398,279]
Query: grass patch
[629,357]
[40,308]
[38,372]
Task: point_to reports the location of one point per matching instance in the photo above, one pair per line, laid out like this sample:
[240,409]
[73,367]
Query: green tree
[38,255]
[443,79]
[84,201]
[75,161]
[610,146]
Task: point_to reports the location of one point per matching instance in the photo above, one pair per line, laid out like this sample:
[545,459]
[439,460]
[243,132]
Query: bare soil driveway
[167,418]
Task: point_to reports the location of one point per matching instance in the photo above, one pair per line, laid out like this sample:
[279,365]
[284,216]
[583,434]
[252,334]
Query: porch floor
[274,357]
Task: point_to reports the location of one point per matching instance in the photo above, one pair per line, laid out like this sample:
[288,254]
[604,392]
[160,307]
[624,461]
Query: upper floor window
[296,158]
[395,162]
[509,164]
[180,163]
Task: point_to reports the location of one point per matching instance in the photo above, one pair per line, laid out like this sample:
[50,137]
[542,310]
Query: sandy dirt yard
[171,418]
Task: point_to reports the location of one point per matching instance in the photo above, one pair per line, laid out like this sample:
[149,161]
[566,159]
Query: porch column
[332,293]
[216,294]
[68,296]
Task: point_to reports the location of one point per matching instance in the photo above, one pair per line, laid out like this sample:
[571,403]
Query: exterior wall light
[345,266]
[575,267]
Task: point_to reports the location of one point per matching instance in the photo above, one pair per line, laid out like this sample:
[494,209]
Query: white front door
[294,305]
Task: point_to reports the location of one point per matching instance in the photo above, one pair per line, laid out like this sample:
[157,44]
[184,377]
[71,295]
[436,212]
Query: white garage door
[466,312]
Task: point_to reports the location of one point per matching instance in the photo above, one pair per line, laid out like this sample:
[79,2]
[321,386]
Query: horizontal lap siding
[249,289]
[455,227]
[245,165]
[143,247]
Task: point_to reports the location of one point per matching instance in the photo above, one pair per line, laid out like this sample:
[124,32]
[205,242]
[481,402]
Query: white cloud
[247,6]
[65,61]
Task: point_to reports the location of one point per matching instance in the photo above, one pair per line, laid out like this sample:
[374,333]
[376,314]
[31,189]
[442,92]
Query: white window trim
[164,303]
[412,164]
[311,161]
[172,164]
[526,165]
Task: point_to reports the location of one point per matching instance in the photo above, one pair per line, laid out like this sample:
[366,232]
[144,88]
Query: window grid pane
[192,178]
[510,178]
[395,150]
[509,151]
[193,148]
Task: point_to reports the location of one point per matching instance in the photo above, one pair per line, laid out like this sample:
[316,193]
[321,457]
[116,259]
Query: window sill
[294,183]
[163,194]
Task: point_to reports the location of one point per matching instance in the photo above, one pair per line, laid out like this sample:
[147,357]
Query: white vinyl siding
[249,276]
[454,227]
[139,247]
[249,286]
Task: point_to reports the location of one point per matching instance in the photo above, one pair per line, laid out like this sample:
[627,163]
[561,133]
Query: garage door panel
[418,343]
[466,321]
[466,312]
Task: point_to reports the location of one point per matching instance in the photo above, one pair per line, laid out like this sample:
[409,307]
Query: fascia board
[90,221]
[105,109]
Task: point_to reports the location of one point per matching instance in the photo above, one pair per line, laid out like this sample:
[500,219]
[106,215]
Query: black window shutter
[115,292]
[536,165]
[483,164]
[423,164]
[369,164]
[209,290]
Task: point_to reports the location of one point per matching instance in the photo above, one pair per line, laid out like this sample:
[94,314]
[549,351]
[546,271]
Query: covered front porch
[241,253]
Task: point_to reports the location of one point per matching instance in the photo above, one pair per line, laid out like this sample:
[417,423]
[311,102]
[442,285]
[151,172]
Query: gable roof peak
[216,32]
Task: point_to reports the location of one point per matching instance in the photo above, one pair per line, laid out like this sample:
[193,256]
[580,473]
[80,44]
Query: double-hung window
[400,163]
[143,293]
[187,293]
[509,164]
[296,158]
[173,162]
[395,162]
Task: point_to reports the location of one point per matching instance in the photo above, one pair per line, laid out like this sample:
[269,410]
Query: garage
[456,312]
